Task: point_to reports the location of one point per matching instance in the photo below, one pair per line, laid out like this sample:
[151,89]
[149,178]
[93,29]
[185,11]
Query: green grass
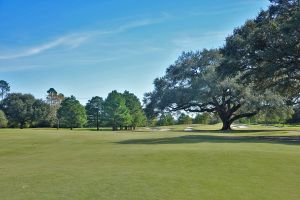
[256,163]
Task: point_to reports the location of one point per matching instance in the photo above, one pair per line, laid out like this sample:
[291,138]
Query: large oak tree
[266,50]
[192,84]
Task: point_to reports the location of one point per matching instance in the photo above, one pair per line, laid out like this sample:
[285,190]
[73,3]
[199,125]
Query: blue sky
[89,48]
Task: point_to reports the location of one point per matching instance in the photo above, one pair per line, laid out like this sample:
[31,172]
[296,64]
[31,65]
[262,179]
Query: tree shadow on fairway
[291,140]
[235,131]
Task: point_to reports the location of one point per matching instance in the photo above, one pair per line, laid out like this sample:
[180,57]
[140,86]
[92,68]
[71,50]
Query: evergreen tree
[94,109]
[54,99]
[41,114]
[71,113]
[135,109]
[116,114]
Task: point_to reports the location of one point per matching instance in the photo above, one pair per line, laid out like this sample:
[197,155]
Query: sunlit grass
[150,164]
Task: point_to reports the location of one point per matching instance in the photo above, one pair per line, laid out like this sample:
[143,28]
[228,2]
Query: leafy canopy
[3,120]
[116,112]
[19,108]
[135,109]
[193,84]
[4,88]
[94,108]
[266,50]
[71,113]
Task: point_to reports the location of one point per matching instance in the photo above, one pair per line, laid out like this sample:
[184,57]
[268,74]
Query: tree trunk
[226,120]
[97,121]
[226,125]
[57,124]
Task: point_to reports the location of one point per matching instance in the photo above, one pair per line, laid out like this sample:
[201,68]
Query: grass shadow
[188,139]
[238,131]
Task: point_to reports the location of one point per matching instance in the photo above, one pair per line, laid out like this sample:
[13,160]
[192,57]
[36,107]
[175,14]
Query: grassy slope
[82,164]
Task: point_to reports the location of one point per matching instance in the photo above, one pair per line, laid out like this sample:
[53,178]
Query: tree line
[256,72]
[118,110]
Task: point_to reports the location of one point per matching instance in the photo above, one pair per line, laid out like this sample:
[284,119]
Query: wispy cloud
[71,41]
[74,40]
[143,22]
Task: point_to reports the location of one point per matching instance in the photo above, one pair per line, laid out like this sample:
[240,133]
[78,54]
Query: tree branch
[235,108]
[243,115]
[194,107]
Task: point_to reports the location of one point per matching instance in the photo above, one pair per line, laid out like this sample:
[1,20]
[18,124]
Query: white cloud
[74,40]
[71,41]
[142,22]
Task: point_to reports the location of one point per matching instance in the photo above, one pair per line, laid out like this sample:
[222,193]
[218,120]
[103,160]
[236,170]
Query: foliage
[41,114]
[276,115]
[166,120]
[18,109]
[266,50]
[202,118]
[184,119]
[119,110]
[71,113]
[135,108]
[296,115]
[3,120]
[94,109]
[192,84]
[152,122]
[4,88]
[24,110]
[206,118]
[116,114]
[54,99]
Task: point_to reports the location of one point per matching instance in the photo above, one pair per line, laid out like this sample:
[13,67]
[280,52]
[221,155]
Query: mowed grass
[145,164]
